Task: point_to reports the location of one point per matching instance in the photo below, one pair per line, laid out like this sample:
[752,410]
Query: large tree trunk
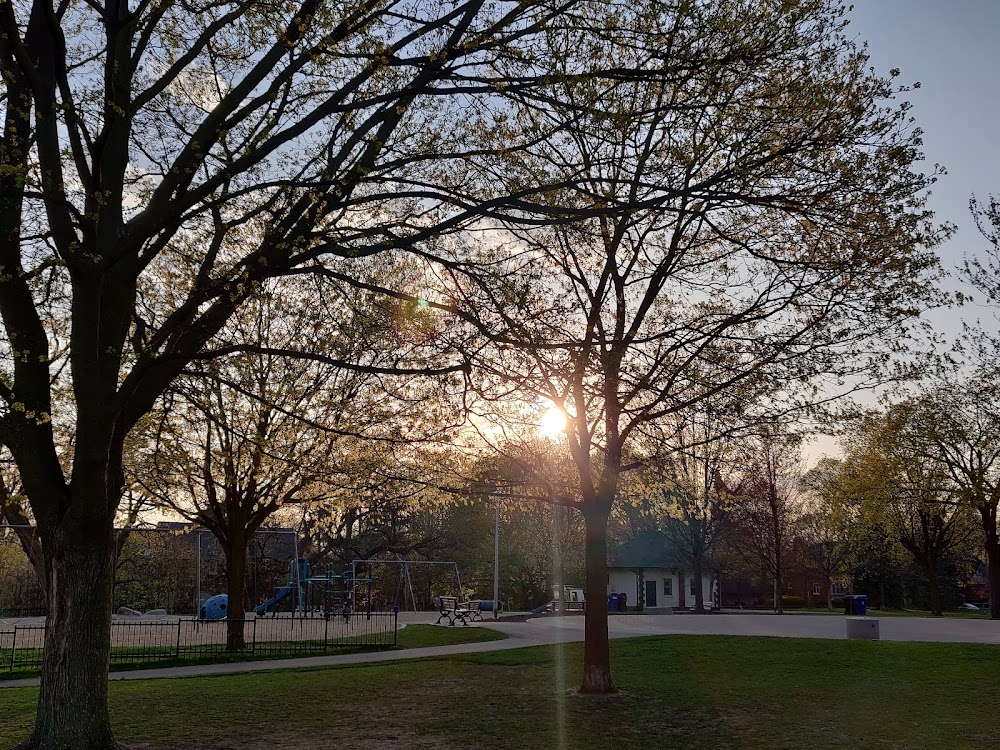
[236,575]
[829,595]
[699,594]
[596,651]
[933,590]
[989,518]
[680,590]
[73,699]
[777,537]
[993,567]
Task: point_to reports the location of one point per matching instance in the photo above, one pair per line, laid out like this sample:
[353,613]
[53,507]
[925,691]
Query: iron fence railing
[184,639]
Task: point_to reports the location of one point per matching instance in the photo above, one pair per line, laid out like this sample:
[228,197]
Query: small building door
[650,593]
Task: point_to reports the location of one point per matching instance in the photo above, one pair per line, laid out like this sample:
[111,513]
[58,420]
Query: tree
[768,229]
[380,493]
[957,429]
[20,592]
[695,504]
[14,511]
[985,275]
[898,487]
[243,436]
[926,513]
[770,504]
[228,458]
[826,526]
[220,146]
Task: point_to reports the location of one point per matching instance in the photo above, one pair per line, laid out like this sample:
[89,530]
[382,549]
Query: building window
[668,586]
[837,589]
[816,591]
[694,591]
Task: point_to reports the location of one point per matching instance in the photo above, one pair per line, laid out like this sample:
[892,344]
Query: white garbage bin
[862,628]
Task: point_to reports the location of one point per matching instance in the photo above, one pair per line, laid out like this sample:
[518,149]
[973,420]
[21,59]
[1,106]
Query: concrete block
[862,628]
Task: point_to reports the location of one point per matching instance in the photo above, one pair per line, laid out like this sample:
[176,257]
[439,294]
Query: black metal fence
[146,641]
[21,598]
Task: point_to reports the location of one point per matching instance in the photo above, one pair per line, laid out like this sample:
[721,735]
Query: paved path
[549,630]
[955,630]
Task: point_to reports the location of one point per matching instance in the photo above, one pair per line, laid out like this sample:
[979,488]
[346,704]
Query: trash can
[848,605]
[623,602]
[612,602]
[859,605]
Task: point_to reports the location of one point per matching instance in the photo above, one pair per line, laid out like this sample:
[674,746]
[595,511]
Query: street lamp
[496,557]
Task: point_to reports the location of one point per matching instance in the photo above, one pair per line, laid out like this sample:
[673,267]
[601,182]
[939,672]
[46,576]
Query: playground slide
[283,593]
[299,572]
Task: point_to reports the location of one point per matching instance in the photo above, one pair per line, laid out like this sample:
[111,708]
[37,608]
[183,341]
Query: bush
[792,602]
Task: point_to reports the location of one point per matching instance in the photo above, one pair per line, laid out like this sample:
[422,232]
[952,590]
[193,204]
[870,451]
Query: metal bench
[475,609]
[450,608]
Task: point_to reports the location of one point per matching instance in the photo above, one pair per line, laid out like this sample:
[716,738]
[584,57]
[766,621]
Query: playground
[176,569]
[171,609]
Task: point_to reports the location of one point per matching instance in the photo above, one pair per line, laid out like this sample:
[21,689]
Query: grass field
[690,692]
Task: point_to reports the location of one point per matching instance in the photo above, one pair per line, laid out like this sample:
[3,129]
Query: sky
[952,48]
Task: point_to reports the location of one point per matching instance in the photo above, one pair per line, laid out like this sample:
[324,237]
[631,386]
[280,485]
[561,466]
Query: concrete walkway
[948,629]
[550,630]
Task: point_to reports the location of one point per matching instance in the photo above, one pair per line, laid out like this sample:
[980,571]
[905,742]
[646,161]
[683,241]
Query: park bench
[475,609]
[452,609]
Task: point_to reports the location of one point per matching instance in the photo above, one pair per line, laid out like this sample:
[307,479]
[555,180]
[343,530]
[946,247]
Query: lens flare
[552,423]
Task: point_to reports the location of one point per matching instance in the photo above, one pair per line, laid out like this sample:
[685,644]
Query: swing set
[404,581]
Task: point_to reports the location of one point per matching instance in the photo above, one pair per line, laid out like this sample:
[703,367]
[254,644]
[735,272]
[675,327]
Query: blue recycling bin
[859,604]
[612,602]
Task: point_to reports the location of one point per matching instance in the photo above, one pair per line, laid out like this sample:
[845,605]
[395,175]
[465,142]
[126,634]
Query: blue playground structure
[215,608]
[325,594]
[329,593]
[297,579]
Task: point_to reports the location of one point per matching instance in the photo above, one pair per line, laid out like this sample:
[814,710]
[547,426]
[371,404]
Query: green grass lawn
[684,692]
[411,636]
[421,636]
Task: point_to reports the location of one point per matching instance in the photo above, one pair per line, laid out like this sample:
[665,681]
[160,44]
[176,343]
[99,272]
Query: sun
[552,423]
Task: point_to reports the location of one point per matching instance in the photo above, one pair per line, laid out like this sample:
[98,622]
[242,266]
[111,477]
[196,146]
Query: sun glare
[552,423]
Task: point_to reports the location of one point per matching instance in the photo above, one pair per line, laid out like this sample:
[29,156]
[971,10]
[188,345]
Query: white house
[649,570]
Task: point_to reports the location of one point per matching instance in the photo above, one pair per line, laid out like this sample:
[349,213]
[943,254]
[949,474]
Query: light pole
[496,557]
